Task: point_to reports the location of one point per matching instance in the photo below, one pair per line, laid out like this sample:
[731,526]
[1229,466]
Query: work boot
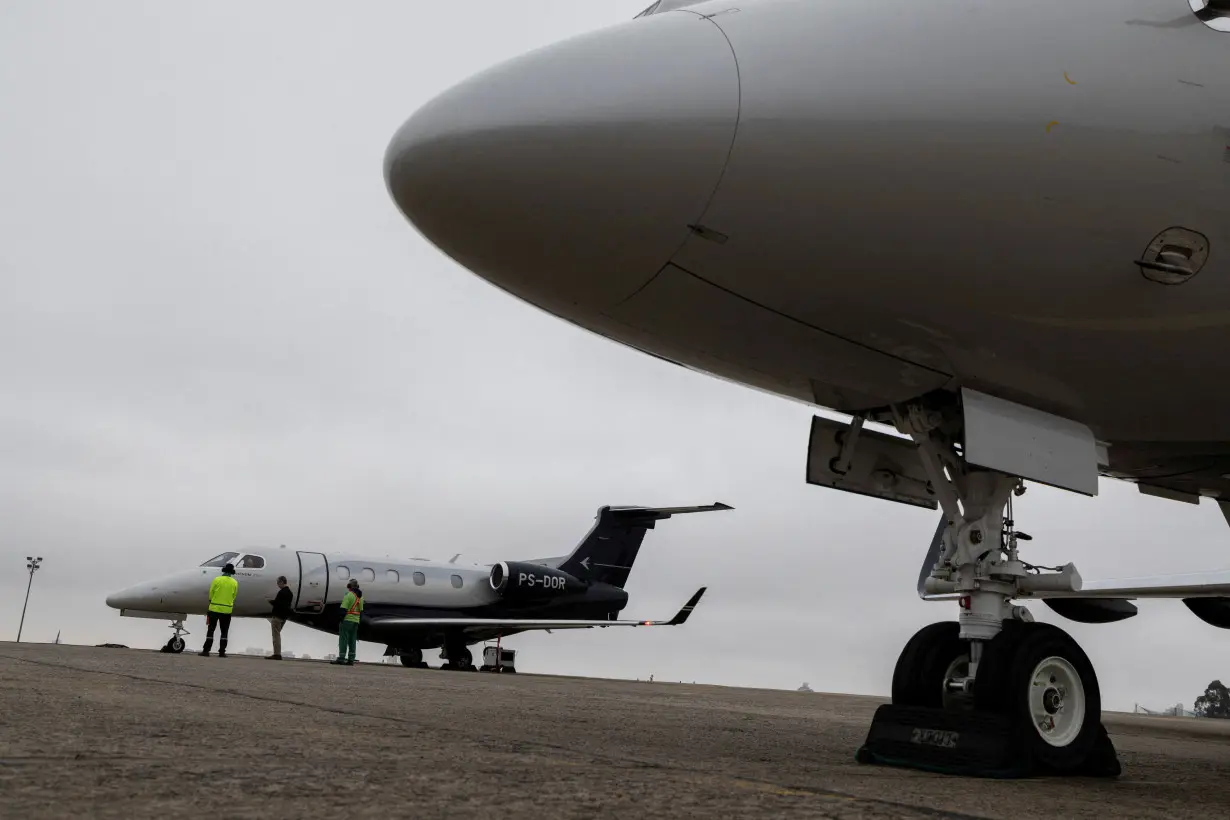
[209,644]
[273,657]
[337,662]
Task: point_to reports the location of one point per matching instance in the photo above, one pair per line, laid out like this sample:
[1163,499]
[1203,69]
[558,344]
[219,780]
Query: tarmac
[94,732]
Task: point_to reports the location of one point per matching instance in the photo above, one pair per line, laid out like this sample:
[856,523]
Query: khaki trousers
[276,624]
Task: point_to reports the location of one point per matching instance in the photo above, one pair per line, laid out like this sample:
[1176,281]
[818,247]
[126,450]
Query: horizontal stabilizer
[527,624]
[661,513]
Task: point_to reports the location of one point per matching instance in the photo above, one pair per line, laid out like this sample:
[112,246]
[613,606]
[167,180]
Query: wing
[1205,594]
[1213,584]
[524,624]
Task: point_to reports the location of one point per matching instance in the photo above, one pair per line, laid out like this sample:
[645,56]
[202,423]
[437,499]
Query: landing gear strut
[994,694]
[412,658]
[457,657]
[176,644]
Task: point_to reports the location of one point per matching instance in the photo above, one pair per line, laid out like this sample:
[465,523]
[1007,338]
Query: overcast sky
[216,331]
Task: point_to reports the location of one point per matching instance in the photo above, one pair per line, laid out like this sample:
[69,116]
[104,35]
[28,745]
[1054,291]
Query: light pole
[32,565]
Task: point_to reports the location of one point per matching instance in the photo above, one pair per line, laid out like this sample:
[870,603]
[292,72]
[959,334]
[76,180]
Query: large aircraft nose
[569,176]
[125,599]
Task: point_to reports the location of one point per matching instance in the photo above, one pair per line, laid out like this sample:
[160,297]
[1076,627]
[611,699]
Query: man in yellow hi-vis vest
[222,592]
[348,629]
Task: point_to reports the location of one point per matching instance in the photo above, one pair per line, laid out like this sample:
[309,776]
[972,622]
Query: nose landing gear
[995,693]
[176,644]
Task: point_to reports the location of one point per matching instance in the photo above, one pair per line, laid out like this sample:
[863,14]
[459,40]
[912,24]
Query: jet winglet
[686,611]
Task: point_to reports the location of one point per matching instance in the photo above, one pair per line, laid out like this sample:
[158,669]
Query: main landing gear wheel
[412,658]
[461,660]
[1033,707]
[1039,677]
[926,663]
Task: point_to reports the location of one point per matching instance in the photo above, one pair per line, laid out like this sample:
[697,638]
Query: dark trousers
[213,619]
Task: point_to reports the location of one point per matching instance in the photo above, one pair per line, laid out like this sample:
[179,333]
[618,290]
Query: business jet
[992,235]
[415,604]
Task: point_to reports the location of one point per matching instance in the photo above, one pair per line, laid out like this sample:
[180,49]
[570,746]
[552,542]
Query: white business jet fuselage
[415,604]
[1001,228]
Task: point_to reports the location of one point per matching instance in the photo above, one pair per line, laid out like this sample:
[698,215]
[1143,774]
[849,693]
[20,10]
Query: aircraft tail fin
[609,550]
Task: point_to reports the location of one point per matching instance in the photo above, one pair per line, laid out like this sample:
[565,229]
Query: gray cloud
[217,331]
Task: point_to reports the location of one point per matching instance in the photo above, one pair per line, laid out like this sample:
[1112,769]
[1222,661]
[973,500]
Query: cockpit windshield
[666,5]
[221,560]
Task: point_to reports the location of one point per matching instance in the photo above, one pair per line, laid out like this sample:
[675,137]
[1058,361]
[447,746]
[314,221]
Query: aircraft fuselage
[404,589]
[853,205]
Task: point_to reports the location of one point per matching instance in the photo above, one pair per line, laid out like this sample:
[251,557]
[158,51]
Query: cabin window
[252,562]
[419,579]
[221,560]
[456,579]
[392,577]
[367,574]
[343,572]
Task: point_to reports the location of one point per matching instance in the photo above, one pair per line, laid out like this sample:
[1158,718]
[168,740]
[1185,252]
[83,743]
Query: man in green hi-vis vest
[348,629]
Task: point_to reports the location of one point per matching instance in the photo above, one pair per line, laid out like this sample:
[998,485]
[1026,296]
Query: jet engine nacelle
[523,581]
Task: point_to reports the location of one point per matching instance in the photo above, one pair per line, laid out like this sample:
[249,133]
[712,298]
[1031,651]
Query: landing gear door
[867,462]
[313,582]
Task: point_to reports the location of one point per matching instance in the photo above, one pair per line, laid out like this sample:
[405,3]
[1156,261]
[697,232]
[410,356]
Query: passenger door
[313,582]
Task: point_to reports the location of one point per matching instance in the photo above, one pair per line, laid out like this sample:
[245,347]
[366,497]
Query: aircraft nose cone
[569,176]
[120,600]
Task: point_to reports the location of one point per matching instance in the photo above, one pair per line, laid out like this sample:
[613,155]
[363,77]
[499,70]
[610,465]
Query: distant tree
[1215,702]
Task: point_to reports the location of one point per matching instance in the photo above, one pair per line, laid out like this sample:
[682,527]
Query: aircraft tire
[1039,675]
[918,678]
[411,658]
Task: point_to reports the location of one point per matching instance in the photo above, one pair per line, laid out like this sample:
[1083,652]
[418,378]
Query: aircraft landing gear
[412,658]
[996,693]
[176,644]
[458,658]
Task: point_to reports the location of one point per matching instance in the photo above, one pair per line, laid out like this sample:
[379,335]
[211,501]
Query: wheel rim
[1057,701]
